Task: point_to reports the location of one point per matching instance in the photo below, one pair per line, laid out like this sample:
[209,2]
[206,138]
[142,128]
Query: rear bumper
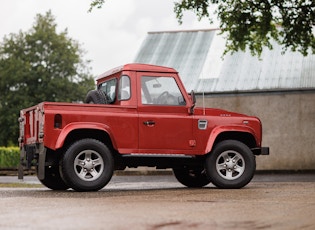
[261,151]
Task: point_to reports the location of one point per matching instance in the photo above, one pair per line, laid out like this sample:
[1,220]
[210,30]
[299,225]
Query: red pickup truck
[139,115]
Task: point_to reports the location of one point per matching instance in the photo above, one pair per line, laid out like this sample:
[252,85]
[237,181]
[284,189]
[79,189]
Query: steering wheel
[162,98]
[166,98]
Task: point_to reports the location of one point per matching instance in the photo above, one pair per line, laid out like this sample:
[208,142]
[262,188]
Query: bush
[9,157]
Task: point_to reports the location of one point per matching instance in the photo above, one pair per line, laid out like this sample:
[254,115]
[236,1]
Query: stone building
[278,88]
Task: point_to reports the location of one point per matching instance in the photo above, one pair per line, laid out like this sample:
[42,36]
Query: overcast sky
[111,36]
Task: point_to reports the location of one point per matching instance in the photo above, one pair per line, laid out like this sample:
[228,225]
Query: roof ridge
[185,31]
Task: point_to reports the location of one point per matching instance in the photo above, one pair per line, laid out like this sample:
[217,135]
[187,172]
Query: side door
[165,125]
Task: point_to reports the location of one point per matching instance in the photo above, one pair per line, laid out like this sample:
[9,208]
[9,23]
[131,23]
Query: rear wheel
[230,165]
[194,178]
[87,165]
[53,179]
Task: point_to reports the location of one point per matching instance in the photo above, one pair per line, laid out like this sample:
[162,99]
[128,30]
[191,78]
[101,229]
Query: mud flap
[41,162]
[21,168]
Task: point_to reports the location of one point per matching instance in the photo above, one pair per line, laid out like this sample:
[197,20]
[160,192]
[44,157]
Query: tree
[39,65]
[254,24]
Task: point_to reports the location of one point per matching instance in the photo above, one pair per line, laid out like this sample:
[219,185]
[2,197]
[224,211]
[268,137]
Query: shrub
[9,157]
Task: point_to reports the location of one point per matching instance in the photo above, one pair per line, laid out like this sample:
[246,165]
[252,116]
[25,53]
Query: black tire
[230,165]
[53,179]
[193,178]
[96,97]
[87,165]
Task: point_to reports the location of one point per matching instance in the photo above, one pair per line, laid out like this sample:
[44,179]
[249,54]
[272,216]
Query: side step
[161,161]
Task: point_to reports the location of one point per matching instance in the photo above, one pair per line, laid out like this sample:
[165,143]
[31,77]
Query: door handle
[149,123]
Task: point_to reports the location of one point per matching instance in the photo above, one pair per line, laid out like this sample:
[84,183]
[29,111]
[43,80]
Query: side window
[160,91]
[109,88]
[124,88]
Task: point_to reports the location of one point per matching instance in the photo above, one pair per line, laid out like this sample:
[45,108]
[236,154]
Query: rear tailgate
[31,125]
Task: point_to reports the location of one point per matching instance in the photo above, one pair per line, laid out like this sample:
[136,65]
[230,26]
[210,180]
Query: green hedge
[9,157]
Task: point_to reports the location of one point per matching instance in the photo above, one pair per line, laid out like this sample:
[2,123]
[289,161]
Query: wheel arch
[243,136]
[79,131]
[96,134]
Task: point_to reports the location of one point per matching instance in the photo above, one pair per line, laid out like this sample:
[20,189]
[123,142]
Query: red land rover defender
[139,115]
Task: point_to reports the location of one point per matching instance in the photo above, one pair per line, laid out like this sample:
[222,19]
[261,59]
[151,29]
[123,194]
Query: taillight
[58,121]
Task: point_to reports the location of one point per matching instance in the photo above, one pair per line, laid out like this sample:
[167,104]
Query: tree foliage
[96,3]
[39,65]
[254,24]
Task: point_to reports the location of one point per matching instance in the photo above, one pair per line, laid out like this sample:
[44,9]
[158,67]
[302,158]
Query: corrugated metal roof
[185,51]
[196,55]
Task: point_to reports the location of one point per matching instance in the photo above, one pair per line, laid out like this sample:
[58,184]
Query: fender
[231,128]
[82,125]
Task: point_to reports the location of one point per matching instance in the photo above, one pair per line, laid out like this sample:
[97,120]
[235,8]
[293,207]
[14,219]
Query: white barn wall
[288,125]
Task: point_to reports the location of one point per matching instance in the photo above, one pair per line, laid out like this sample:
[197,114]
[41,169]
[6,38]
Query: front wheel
[194,178]
[87,165]
[230,165]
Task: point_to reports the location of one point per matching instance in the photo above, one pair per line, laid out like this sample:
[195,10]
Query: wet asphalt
[260,176]
[283,200]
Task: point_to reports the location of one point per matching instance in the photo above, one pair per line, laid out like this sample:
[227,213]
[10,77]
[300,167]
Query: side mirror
[193,97]
[193,100]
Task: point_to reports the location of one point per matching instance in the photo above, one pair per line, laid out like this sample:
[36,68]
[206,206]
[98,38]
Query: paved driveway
[160,202]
